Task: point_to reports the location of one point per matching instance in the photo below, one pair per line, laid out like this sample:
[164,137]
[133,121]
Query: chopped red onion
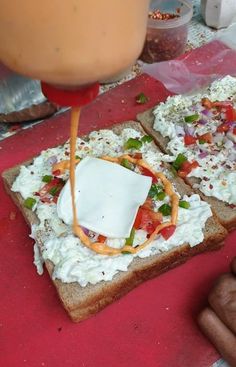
[85,230]
[52,160]
[202,122]
[206,112]
[203,155]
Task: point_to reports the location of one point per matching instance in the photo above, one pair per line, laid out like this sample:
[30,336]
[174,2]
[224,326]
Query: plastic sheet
[195,70]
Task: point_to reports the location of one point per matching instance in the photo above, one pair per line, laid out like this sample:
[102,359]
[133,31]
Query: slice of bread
[225,213]
[83,302]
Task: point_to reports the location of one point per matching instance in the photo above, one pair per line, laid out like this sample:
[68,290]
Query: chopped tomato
[55,186]
[167,232]
[234,130]
[101,238]
[137,156]
[189,140]
[187,167]
[57,172]
[223,128]
[146,220]
[206,137]
[230,113]
[147,172]
[147,204]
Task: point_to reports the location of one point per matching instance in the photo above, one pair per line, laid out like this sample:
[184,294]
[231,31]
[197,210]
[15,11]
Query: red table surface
[152,326]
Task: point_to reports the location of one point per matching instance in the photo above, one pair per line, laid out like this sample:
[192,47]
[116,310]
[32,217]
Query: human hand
[218,321]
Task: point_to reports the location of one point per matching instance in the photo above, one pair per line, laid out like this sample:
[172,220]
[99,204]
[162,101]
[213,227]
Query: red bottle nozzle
[70,97]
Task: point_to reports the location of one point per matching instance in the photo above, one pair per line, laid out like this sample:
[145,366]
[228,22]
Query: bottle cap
[70,97]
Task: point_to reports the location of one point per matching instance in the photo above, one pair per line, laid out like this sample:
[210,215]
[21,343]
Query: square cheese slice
[107,197]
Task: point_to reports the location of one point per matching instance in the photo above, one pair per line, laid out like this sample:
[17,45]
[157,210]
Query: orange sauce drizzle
[100,247]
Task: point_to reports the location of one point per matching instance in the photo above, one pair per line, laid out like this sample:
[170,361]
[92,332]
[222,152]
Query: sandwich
[136,219]
[199,133]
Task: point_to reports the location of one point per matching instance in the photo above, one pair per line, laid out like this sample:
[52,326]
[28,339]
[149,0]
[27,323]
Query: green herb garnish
[53,190]
[146,139]
[126,163]
[161,195]
[141,98]
[165,209]
[47,178]
[133,144]
[155,190]
[184,204]
[192,118]
[180,159]
[29,203]
[201,141]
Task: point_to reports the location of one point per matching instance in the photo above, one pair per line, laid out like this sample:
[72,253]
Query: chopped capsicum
[29,203]
[192,118]
[184,204]
[133,144]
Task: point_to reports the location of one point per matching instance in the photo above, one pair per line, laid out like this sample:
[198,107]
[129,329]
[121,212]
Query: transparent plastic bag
[200,67]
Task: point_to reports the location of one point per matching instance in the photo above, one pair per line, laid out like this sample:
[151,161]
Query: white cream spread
[217,160]
[72,260]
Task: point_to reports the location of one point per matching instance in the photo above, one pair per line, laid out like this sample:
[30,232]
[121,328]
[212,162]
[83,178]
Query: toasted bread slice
[83,302]
[225,213]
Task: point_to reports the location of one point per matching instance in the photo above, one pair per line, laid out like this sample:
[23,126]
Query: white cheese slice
[107,197]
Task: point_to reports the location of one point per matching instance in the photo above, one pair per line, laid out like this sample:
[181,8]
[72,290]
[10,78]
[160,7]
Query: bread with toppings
[83,301]
[203,129]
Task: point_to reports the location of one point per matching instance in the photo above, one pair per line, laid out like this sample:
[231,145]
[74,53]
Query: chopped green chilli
[126,163]
[129,241]
[201,141]
[160,195]
[53,190]
[47,178]
[184,204]
[141,98]
[29,203]
[133,144]
[147,139]
[165,209]
[192,118]
[180,159]
[155,190]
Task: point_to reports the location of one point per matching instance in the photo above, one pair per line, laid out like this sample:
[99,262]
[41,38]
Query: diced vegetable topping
[101,238]
[29,203]
[147,220]
[125,163]
[223,128]
[147,139]
[207,138]
[189,140]
[180,159]
[184,204]
[141,98]
[167,232]
[187,167]
[156,192]
[130,240]
[192,118]
[165,209]
[47,178]
[53,191]
[133,144]
[147,172]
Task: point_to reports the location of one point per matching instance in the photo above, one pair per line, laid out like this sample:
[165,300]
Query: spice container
[167,30]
